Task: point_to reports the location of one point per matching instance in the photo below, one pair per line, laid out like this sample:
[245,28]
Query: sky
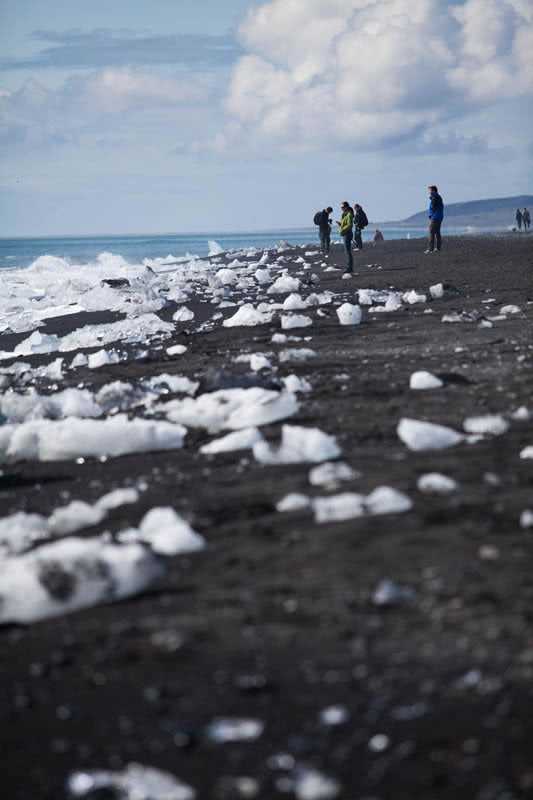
[122,116]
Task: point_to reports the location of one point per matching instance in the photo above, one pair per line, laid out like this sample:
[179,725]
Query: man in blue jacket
[436,215]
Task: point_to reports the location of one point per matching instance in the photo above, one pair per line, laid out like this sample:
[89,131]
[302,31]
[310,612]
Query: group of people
[353,220]
[523,218]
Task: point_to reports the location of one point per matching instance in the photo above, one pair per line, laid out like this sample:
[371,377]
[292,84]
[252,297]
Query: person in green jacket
[346,233]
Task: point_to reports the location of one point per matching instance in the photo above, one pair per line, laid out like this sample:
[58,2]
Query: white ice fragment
[166,532]
[20,530]
[522,414]
[73,517]
[510,309]
[385,500]
[310,784]
[348,505]
[183,314]
[424,380]
[349,314]
[389,593]
[294,501]
[176,383]
[214,248]
[234,729]
[117,498]
[238,440]
[379,743]
[279,338]
[435,483]
[526,518]
[298,445]
[294,384]
[69,574]
[103,357]
[134,782]
[296,354]
[333,715]
[527,452]
[436,291]
[79,360]
[289,321]
[176,350]
[493,424]
[419,435]
[331,473]
[259,362]
[284,284]
[365,297]
[247,315]
[262,276]
[54,370]
[413,297]
[294,302]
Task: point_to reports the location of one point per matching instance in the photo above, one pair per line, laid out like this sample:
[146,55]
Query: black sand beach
[275,619]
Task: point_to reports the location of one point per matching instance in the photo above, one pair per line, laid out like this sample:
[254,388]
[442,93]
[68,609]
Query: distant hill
[497,212]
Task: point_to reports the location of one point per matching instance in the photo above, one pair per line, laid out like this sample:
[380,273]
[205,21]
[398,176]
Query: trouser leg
[438,238]
[348,249]
[358,238]
[431,232]
[327,240]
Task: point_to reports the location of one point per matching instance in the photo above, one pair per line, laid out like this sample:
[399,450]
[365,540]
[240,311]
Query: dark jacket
[436,206]
[359,218]
[324,222]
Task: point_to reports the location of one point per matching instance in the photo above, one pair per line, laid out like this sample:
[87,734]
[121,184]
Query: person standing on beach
[519,219]
[526,218]
[378,236]
[360,221]
[345,231]
[436,215]
[324,229]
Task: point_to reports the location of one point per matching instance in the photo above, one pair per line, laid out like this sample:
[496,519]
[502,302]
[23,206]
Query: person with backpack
[324,223]
[519,218]
[436,215]
[345,231]
[360,221]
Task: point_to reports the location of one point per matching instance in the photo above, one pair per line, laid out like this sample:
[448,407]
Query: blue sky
[174,115]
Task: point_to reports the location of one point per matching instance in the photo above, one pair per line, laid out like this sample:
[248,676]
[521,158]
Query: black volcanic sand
[275,619]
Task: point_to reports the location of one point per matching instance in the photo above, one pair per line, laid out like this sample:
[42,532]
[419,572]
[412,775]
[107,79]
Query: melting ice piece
[349,314]
[103,357]
[134,782]
[294,302]
[214,248]
[413,297]
[284,284]
[71,574]
[294,384]
[419,435]
[436,291]
[166,533]
[526,518]
[424,380]
[46,440]
[259,362]
[247,315]
[183,314]
[349,505]
[331,473]
[334,715]
[510,309]
[176,350]
[293,502]
[298,445]
[20,530]
[309,784]
[289,321]
[232,409]
[389,593]
[297,354]
[487,423]
[75,516]
[239,440]
[435,483]
[234,729]
[527,452]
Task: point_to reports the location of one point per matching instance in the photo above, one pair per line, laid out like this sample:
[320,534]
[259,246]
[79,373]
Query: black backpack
[317,217]
[363,219]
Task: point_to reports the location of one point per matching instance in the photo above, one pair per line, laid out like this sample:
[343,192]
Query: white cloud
[371,72]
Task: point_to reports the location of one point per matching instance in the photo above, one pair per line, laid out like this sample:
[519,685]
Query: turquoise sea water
[21,252]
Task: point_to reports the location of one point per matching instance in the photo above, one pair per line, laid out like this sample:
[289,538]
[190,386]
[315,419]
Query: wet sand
[275,619]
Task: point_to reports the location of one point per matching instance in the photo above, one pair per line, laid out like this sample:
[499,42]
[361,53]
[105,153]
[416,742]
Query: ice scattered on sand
[436,483]
[462,316]
[214,248]
[20,530]
[331,474]
[424,380]
[47,440]
[385,500]
[259,362]
[527,452]
[294,384]
[493,424]
[350,505]
[71,574]
[522,414]
[296,354]
[165,531]
[298,445]
[18,408]
[436,291]
[176,350]
[526,518]
[419,435]
[413,297]
[176,383]
[284,284]
[262,276]
[389,593]
[379,743]
[238,440]
[247,315]
[73,517]
[234,729]
[510,309]
[289,321]
[294,302]
[103,357]
[232,409]
[79,360]
[349,314]
[309,784]
[293,502]
[134,782]
[333,715]
[183,314]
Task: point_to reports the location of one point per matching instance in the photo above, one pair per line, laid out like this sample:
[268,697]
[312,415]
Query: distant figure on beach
[378,236]
[526,218]
[345,231]
[324,229]
[360,221]
[436,215]
[519,219]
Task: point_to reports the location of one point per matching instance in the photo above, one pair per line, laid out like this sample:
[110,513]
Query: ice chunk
[234,729]
[71,574]
[294,384]
[339,507]
[239,440]
[166,533]
[214,248]
[289,321]
[526,518]
[259,362]
[349,314]
[297,354]
[294,302]
[79,360]
[293,502]
[413,297]
[262,276]
[176,383]
[435,483]
[232,409]
[176,350]
[493,424]
[331,473]
[334,715]
[510,309]
[424,380]
[75,516]
[527,452]
[385,500]
[310,784]
[134,782]
[419,435]
[523,414]
[436,291]
[103,357]
[298,444]
[20,530]
[284,284]
[183,314]
[247,315]
[33,406]
[389,593]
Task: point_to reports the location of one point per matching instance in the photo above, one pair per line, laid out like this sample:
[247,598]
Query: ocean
[80,250]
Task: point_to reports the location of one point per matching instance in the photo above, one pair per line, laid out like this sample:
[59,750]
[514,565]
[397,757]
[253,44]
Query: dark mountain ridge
[498,211]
